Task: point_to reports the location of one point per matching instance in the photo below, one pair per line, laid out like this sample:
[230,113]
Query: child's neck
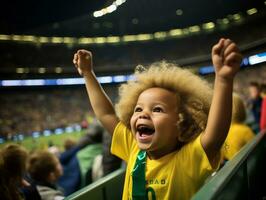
[157,154]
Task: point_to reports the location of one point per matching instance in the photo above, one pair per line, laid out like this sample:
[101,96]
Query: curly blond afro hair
[194,96]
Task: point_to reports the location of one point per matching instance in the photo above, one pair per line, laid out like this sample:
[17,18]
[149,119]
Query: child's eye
[157,109]
[137,109]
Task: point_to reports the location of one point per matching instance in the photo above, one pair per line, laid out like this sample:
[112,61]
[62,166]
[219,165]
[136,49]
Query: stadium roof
[76,18]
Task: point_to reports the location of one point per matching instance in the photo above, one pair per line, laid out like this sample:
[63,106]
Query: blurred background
[43,98]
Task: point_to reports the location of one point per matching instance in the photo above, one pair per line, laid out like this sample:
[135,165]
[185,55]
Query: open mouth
[145,130]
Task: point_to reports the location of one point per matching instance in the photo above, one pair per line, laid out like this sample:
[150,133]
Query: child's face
[154,121]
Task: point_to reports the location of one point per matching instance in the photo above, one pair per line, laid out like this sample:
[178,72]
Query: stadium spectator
[239,133]
[254,105]
[44,169]
[12,169]
[164,125]
[76,167]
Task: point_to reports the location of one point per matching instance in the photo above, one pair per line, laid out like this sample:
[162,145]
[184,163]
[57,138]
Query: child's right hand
[83,61]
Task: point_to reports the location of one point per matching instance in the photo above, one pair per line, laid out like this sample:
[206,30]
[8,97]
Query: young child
[45,169]
[162,131]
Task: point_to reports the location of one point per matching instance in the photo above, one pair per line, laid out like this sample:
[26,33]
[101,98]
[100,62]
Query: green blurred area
[43,142]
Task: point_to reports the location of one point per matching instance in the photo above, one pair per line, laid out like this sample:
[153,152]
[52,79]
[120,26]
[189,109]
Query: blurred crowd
[49,174]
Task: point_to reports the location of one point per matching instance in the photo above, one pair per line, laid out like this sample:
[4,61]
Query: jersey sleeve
[122,142]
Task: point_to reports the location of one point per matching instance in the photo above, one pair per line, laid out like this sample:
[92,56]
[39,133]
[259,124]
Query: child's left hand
[226,59]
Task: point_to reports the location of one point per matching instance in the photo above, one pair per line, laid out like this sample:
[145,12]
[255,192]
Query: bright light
[42,70]
[57,40]
[258,58]
[113,39]
[111,8]
[108,9]
[5,37]
[58,70]
[68,40]
[129,38]
[194,29]
[43,39]
[85,41]
[236,17]
[175,32]
[20,70]
[208,26]
[160,35]
[179,12]
[28,38]
[142,37]
[225,21]
[252,11]
[99,40]
[98,13]
[16,37]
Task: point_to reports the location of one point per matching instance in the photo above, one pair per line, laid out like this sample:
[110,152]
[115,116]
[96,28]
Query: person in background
[239,133]
[44,169]
[13,160]
[254,105]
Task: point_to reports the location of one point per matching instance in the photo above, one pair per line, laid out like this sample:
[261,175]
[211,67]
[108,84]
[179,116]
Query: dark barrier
[241,178]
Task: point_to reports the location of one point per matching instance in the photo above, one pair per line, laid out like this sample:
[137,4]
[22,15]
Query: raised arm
[101,104]
[226,60]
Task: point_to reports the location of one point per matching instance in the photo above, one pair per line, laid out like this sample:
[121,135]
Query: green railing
[109,187]
[241,178]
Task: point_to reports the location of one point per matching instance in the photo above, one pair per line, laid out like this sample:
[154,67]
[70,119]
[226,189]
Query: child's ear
[51,177]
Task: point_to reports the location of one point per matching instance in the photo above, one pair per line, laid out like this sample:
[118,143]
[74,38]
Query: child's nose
[144,115]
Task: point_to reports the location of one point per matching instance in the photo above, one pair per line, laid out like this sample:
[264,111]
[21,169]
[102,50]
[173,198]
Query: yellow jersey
[175,176]
[238,136]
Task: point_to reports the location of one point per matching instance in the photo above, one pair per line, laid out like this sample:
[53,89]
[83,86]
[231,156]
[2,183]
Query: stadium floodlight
[5,37]
[99,40]
[85,40]
[43,39]
[143,37]
[175,32]
[41,70]
[68,40]
[252,11]
[225,21]
[109,9]
[28,38]
[160,35]
[113,39]
[129,38]
[57,40]
[208,26]
[20,70]
[16,37]
[194,29]
[58,70]
[237,17]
